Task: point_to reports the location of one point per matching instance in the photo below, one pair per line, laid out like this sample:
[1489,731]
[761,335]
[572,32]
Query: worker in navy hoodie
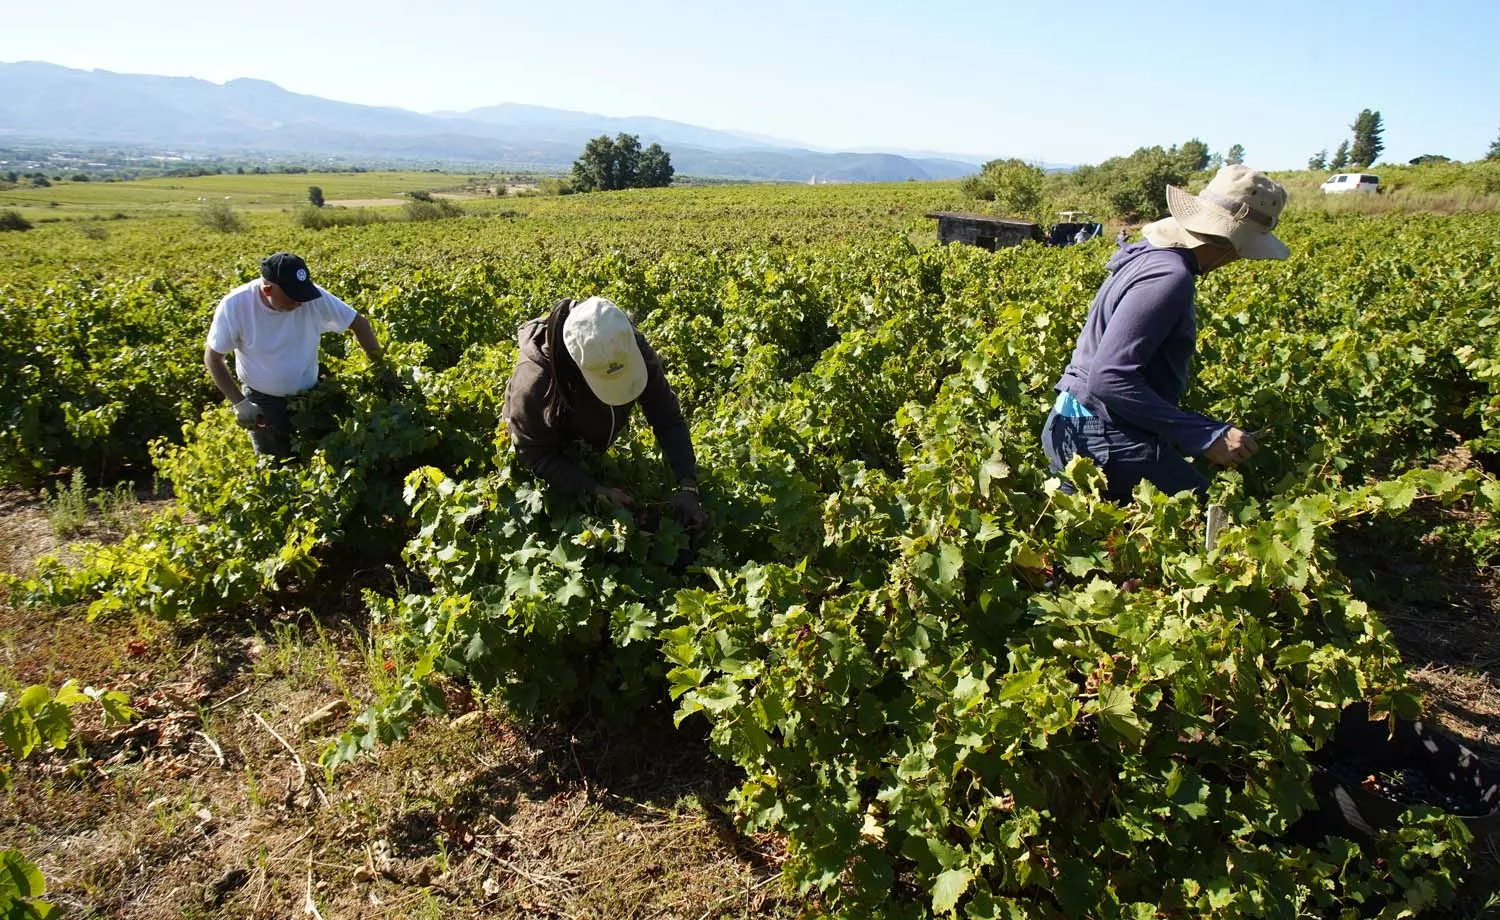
[1117,402]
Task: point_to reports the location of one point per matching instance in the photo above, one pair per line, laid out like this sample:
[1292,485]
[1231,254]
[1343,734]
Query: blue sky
[1058,82]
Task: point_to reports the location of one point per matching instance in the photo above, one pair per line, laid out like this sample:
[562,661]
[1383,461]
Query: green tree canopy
[1194,155]
[656,168]
[1340,156]
[1368,143]
[1133,187]
[1235,155]
[1014,185]
[315,195]
[1494,153]
[1318,160]
[608,165]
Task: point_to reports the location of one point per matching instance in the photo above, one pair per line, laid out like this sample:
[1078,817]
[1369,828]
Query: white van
[1350,182]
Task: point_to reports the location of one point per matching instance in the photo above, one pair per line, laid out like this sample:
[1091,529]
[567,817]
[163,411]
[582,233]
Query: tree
[627,160]
[594,170]
[1319,160]
[1367,140]
[607,165]
[1014,185]
[656,168]
[1235,156]
[1340,156]
[1132,187]
[1194,155]
[315,195]
[1426,158]
[1494,153]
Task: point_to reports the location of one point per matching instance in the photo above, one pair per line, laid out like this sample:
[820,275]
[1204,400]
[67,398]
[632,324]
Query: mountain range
[41,101]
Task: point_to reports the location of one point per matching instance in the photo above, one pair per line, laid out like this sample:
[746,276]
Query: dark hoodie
[540,442]
[1130,365]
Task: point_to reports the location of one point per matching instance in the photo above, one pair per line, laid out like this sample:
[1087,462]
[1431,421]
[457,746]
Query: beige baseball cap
[601,341]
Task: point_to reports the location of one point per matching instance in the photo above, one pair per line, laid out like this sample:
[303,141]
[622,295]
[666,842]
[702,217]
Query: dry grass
[25,533]
[198,809]
[1438,188]
[1399,201]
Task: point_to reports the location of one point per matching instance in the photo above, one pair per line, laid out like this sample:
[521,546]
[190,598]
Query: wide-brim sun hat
[1240,205]
[600,339]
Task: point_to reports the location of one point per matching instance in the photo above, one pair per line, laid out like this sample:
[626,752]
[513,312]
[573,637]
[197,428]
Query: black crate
[1429,768]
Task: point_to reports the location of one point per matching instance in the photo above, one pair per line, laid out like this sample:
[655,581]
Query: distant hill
[46,101]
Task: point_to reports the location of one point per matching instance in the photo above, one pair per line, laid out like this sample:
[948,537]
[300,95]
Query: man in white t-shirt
[273,325]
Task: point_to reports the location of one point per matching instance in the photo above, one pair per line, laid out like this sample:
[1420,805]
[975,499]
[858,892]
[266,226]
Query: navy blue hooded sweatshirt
[1130,365]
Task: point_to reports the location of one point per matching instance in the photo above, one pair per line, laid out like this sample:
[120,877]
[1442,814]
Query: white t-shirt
[275,353]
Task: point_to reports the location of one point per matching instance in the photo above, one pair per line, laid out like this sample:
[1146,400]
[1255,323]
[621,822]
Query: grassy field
[74,200]
[1439,188]
[174,239]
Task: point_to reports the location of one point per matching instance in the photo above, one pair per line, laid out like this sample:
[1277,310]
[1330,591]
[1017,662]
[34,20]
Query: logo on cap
[301,274]
[614,368]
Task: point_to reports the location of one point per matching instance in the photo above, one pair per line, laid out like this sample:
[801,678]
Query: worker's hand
[689,510]
[247,414]
[1231,448]
[617,497]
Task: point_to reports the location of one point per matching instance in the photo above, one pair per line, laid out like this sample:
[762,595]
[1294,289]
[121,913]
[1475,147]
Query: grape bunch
[1408,786]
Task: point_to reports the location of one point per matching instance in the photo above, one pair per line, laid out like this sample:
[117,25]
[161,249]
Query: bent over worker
[581,370]
[1117,401]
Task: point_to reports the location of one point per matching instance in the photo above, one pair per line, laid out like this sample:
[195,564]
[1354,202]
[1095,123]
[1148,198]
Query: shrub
[221,217]
[975,187]
[432,209]
[1014,185]
[12,220]
[314,218]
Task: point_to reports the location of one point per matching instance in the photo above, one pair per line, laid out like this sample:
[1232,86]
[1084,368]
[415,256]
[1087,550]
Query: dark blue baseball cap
[289,273]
